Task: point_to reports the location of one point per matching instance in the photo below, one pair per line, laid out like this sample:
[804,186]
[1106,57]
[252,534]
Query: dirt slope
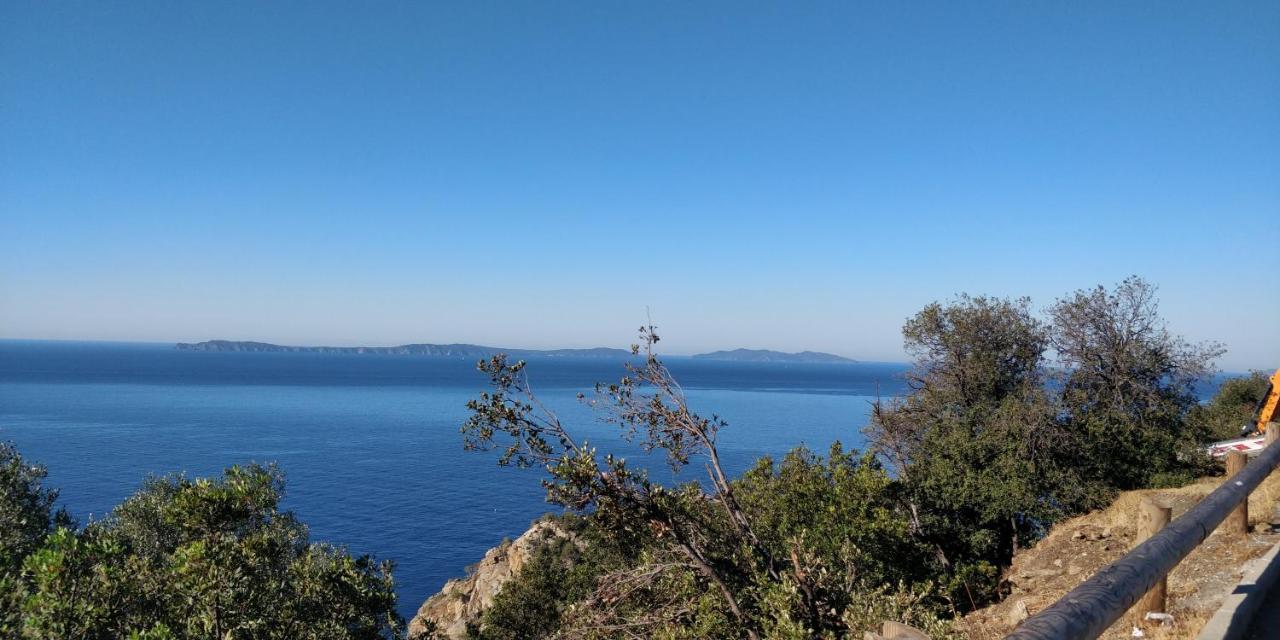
[1077,548]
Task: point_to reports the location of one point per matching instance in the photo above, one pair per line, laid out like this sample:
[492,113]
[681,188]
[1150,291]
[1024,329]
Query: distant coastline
[766,355]
[482,351]
[424,349]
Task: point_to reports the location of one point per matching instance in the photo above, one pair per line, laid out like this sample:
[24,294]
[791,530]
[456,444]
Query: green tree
[775,553]
[975,441]
[718,546]
[78,588]
[204,558]
[985,452]
[1232,410]
[27,513]
[1129,385]
[27,517]
[836,520]
[845,509]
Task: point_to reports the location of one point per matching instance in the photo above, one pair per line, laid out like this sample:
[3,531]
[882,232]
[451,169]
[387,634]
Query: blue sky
[778,175]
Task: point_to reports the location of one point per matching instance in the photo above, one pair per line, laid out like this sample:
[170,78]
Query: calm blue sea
[369,443]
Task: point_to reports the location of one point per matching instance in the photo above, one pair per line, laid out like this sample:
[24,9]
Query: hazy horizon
[623,346]
[790,177]
[902,360]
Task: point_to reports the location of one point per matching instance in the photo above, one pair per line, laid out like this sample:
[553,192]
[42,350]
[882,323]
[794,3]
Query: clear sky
[790,175]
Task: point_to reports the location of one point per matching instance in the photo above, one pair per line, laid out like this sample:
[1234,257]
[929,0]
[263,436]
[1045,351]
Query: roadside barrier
[1098,602]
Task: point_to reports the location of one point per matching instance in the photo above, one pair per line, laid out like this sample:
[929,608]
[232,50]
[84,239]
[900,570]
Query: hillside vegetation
[990,448]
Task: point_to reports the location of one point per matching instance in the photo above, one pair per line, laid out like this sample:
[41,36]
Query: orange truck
[1254,432]
[1267,408]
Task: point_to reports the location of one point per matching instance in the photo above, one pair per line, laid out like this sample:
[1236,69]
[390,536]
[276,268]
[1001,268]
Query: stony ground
[1077,548]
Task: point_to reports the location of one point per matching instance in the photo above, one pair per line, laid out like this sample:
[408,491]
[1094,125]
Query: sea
[370,444]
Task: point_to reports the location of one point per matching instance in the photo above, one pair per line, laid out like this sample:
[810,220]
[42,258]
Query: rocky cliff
[462,601]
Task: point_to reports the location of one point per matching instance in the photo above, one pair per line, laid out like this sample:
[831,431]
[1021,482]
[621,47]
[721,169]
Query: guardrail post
[1121,587]
[1238,521]
[1152,517]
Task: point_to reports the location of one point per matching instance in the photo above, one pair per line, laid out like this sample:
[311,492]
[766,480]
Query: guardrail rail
[1089,609]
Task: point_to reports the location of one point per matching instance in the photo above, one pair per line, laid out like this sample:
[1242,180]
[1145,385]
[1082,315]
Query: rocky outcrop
[463,600]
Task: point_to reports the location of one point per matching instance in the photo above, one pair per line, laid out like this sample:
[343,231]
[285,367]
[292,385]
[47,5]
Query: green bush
[26,508]
[560,573]
[188,559]
[871,606]
[1231,411]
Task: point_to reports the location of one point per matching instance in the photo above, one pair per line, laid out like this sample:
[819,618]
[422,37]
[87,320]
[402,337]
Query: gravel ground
[1077,548]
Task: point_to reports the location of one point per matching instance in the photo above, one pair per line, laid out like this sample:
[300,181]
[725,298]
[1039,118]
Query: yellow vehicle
[1267,408]
[1252,435]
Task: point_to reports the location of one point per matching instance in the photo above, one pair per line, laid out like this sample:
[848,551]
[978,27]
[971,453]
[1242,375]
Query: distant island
[765,355]
[481,351]
[452,350]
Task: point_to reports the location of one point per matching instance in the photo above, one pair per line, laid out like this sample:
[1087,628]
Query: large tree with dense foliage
[995,441]
[976,442]
[189,559]
[1128,385]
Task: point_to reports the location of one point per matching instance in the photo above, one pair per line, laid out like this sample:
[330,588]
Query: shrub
[205,558]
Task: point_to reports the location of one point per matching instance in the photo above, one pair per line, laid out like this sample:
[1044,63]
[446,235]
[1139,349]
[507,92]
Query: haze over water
[370,443]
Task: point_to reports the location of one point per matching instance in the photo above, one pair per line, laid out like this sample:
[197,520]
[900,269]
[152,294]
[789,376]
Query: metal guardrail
[1090,608]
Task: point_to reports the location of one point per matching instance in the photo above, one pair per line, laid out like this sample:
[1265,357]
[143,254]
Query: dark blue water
[370,444]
